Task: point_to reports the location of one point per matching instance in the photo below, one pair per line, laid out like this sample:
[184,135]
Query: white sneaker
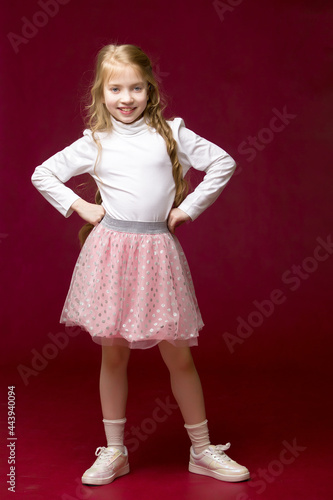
[111,463]
[213,462]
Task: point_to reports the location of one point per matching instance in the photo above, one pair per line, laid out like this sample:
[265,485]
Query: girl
[131,287]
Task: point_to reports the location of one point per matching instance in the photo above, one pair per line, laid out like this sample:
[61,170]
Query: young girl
[132,287]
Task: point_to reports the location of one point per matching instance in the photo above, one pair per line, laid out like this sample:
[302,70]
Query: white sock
[114,431]
[199,436]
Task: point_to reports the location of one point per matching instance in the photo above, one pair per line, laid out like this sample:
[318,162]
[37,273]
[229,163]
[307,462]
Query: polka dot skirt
[133,289]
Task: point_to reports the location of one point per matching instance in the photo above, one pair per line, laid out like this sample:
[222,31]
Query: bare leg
[186,387]
[185,382]
[113,381]
[112,461]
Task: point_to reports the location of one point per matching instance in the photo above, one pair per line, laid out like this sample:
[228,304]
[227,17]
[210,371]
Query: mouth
[126,111]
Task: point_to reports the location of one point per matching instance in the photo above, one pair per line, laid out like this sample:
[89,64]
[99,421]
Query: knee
[115,357]
[180,362]
[185,364]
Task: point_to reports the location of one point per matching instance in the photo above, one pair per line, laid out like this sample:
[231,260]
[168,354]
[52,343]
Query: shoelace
[103,455]
[219,450]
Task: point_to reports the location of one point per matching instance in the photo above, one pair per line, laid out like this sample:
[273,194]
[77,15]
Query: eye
[137,88]
[114,89]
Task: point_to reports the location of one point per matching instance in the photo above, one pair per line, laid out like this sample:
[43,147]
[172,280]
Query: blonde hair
[108,59]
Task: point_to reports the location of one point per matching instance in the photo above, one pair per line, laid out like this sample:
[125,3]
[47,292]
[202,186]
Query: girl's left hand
[176,218]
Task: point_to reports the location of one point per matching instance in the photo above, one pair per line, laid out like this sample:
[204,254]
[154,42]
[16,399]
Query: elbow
[35,178]
[229,164]
[233,164]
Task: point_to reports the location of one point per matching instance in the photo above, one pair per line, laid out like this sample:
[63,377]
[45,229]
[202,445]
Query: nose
[126,96]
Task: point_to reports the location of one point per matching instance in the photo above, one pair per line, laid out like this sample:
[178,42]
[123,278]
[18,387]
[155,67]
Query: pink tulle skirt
[132,286]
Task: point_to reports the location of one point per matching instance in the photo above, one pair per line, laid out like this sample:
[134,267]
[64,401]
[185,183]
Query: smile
[126,110]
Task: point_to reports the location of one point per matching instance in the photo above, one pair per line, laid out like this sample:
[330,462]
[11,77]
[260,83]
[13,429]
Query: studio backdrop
[253,77]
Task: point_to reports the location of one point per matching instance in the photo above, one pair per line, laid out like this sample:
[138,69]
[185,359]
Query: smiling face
[126,94]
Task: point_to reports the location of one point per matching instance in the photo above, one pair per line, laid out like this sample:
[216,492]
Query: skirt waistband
[128,226]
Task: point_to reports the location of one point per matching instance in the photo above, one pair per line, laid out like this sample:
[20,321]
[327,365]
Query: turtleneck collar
[135,128]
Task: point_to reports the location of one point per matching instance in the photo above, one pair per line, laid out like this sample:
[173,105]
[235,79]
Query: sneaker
[213,462]
[111,463]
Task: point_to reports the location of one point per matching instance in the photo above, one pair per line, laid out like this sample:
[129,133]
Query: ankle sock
[114,432]
[199,436]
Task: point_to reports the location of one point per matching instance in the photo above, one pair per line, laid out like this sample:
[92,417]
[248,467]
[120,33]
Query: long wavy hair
[109,59]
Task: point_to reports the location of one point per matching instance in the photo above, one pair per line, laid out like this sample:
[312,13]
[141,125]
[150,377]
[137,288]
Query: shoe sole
[105,480]
[197,469]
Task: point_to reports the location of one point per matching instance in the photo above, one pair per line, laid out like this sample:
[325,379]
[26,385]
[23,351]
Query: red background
[225,75]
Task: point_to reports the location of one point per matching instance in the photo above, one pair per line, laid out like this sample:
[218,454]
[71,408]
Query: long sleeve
[196,152]
[50,177]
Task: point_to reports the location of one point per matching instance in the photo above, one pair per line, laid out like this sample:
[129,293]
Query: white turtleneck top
[134,172]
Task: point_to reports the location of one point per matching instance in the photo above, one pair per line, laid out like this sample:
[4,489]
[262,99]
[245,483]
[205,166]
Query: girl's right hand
[90,212]
[176,218]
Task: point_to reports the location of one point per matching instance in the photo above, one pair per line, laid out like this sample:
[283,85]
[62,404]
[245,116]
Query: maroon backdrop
[252,76]
[228,72]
